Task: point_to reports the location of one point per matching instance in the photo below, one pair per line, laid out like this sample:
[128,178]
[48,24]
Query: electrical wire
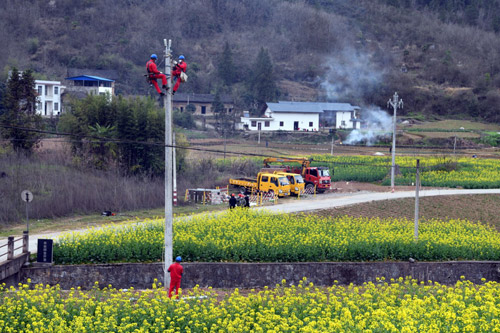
[97,139]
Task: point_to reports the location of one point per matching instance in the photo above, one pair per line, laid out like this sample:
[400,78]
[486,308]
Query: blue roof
[88,78]
[310,107]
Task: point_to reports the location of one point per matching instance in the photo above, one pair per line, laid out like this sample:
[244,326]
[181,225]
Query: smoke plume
[377,123]
[350,76]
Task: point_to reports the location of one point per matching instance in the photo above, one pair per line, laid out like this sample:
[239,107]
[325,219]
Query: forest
[441,56]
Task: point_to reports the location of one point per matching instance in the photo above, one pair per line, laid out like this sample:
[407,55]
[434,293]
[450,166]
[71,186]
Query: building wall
[49,97]
[283,121]
[199,107]
[343,119]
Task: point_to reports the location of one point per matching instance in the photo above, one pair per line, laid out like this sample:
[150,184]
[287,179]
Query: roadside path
[310,204]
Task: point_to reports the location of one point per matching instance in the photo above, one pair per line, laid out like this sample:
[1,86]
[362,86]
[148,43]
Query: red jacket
[176,271]
[151,67]
[180,67]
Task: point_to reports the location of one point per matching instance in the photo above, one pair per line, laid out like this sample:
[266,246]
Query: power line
[97,139]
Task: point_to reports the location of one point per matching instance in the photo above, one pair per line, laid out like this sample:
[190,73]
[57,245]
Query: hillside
[441,56]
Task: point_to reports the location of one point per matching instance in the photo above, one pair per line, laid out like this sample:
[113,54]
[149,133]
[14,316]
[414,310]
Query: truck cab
[296,181]
[319,177]
[270,182]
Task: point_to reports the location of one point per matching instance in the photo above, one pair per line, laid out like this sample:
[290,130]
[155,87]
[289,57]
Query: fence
[8,250]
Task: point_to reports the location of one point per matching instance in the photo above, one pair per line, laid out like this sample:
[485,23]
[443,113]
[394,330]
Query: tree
[19,118]
[222,119]
[262,85]
[226,69]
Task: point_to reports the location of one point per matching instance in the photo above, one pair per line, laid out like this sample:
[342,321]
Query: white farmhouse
[49,97]
[302,116]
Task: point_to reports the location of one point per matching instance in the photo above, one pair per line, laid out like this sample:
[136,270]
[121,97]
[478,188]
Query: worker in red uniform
[154,73]
[179,68]
[175,271]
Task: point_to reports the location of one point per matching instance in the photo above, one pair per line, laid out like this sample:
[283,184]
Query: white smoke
[377,122]
[350,75]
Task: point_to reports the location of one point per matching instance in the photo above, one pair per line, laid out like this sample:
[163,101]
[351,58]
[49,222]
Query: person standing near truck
[232,201]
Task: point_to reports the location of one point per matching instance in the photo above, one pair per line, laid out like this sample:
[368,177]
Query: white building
[90,84]
[49,97]
[302,116]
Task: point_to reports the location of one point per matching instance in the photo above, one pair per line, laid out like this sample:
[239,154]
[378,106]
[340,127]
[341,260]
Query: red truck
[313,176]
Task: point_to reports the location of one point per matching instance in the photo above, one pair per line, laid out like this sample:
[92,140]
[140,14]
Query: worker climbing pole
[179,72]
[154,73]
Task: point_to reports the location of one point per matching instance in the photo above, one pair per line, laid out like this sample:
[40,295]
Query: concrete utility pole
[395,103]
[332,143]
[167,101]
[417,188]
[174,169]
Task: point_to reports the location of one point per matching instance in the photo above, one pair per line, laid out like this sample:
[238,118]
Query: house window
[310,124]
[203,109]
[282,123]
[230,110]
[342,123]
[254,123]
[39,107]
[56,106]
[40,90]
[47,90]
[56,90]
[266,123]
[182,109]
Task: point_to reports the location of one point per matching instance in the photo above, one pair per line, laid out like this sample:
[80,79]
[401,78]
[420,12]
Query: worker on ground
[175,271]
[232,201]
[247,201]
[154,73]
[179,73]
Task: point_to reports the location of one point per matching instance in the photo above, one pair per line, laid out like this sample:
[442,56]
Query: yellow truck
[265,182]
[296,181]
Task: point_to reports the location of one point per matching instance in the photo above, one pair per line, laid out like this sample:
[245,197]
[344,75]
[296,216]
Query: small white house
[302,116]
[49,97]
[90,84]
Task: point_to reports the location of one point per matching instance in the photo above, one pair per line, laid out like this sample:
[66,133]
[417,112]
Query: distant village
[280,116]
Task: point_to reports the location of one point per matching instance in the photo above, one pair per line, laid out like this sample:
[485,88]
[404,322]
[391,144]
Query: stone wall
[250,275]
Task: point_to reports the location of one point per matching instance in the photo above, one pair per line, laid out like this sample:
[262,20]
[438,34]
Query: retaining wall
[251,275]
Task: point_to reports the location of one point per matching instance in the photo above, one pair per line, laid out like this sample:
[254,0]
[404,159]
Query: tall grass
[60,189]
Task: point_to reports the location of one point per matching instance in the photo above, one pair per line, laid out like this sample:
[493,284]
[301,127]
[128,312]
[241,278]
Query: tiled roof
[310,107]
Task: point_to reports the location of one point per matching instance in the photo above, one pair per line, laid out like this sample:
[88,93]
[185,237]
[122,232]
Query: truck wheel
[243,190]
[310,187]
[271,193]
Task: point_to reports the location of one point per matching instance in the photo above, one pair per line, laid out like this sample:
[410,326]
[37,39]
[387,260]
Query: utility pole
[396,103]
[174,168]
[167,101]
[333,136]
[417,188]
[454,145]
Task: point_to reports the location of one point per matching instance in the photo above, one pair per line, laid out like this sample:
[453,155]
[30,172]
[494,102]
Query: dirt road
[323,201]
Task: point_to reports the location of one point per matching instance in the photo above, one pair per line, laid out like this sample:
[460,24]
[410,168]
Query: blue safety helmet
[181,57]
[154,56]
[178,259]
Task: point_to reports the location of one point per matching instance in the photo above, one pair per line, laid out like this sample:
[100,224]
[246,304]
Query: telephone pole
[167,102]
[396,103]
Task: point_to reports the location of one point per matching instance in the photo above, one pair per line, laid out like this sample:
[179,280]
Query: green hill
[441,56]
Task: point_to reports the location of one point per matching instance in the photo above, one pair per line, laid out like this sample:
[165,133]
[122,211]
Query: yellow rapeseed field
[403,305]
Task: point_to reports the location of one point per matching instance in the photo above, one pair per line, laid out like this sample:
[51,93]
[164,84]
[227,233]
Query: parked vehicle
[265,182]
[296,181]
[318,177]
